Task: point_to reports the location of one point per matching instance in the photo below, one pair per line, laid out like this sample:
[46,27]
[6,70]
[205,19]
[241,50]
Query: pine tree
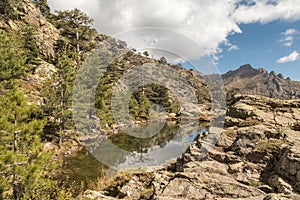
[102,101]
[58,91]
[146,53]
[12,57]
[29,46]
[23,164]
[7,8]
[163,60]
[43,6]
[145,105]
[76,27]
[133,107]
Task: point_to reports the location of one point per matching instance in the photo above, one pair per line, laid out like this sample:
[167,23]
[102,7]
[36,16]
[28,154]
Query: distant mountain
[247,80]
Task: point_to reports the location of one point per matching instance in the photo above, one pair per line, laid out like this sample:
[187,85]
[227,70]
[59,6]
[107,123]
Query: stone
[274,196]
[298,175]
[226,138]
[172,115]
[204,118]
[129,192]
[266,188]
[95,195]
[48,146]
[278,184]
[239,166]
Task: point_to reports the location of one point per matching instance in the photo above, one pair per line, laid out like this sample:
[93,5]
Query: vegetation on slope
[27,164]
[33,133]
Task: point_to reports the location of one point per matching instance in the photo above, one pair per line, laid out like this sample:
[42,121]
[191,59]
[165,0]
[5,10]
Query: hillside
[247,80]
[162,93]
[26,14]
[40,56]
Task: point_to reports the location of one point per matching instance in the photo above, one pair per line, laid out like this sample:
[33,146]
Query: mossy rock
[249,122]
[270,146]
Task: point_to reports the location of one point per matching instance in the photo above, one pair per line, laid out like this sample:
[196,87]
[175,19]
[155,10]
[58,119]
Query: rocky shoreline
[257,156]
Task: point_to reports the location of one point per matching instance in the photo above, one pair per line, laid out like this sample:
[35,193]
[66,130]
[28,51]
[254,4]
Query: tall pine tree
[23,165]
[12,57]
[57,92]
[76,27]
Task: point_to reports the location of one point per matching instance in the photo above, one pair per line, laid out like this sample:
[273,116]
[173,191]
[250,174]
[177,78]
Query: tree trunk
[77,46]
[61,128]
[143,82]
[15,178]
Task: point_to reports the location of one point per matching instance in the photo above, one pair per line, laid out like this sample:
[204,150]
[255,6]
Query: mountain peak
[242,72]
[248,80]
[246,66]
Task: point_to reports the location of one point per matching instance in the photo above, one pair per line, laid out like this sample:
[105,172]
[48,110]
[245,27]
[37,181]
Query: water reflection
[168,143]
[82,167]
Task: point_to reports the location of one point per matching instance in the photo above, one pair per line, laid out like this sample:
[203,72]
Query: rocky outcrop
[46,36]
[46,33]
[257,156]
[34,82]
[247,80]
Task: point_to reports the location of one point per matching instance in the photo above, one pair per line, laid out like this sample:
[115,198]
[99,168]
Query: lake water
[170,142]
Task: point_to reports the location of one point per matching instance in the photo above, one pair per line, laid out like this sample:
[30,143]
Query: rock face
[247,80]
[257,156]
[274,141]
[28,14]
[47,34]
[34,82]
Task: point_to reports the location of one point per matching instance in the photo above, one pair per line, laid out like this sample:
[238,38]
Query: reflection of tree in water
[141,145]
[80,169]
[126,150]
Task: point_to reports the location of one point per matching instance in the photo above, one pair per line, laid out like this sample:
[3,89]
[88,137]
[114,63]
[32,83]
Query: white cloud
[233,47]
[287,41]
[288,38]
[207,22]
[290,31]
[294,56]
[288,44]
[265,11]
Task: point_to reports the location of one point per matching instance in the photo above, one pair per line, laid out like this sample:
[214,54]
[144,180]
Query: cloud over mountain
[294,56]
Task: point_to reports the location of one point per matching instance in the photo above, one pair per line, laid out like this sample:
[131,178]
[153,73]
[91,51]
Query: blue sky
[261,45]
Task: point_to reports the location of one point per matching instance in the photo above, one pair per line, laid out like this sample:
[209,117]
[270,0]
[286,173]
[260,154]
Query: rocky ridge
[257,156]
[247,80]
